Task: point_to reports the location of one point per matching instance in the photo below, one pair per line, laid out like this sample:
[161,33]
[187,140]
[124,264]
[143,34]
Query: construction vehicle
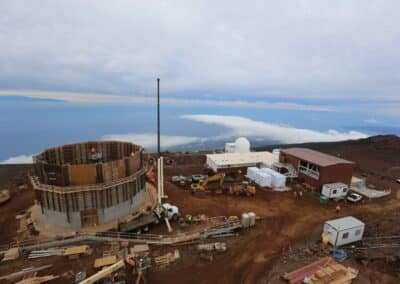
[142,222]
[4,196]
[181,180]
[203,184]
[242,189]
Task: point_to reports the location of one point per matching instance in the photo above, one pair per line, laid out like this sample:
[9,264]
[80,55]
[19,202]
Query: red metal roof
[315,157]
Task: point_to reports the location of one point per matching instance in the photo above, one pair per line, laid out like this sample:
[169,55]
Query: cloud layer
[149,141]
[242,126]
[95,98]
[313,49]
[21,159]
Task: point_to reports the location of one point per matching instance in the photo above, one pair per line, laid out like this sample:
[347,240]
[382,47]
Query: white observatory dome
[242,145]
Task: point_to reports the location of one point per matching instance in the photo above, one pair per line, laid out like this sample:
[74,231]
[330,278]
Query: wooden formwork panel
[134,163]
[113,170]
[82,174]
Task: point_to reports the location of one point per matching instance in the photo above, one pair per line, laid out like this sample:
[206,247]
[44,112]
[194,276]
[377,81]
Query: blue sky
[286,71]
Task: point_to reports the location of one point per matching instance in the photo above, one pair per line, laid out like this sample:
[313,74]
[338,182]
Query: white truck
[142,222]
[336,190]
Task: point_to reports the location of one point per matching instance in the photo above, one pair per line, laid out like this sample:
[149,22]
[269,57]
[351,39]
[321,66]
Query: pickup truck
[143,221]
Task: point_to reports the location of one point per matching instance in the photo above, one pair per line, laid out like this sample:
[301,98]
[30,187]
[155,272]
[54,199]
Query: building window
[334,191]
[358,232]
[345,236]
[309,169]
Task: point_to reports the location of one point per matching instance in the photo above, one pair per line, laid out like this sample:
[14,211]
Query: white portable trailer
[335,190]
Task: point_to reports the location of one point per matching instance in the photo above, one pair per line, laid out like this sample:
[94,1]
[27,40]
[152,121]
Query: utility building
[318,168]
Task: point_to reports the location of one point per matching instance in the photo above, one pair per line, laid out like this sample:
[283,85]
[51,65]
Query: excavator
[242,189]
[203,185]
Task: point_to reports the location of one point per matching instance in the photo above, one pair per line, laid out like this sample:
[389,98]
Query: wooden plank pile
[105,261]
[334,274]
[73,252]
[323,271]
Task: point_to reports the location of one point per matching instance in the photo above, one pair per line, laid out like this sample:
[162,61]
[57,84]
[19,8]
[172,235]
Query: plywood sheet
[82,174]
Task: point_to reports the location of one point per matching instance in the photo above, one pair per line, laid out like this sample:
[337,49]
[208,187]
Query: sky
[273,71]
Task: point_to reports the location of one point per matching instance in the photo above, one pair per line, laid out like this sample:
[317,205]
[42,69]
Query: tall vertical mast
[158,117]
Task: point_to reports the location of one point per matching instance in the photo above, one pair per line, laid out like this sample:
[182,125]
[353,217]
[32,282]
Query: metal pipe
[162,176]
[158,117]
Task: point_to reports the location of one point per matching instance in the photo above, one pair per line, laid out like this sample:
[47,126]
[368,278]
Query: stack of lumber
[45,253]
[76,251]
[334,274]
[105,261]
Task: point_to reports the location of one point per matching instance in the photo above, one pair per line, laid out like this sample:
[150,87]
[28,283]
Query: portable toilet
[343,231]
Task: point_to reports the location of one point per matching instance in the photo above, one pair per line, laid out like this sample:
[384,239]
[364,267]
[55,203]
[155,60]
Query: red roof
[315,157]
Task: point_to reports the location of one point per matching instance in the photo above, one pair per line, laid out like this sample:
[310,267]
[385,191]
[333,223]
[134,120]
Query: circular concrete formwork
[89,184]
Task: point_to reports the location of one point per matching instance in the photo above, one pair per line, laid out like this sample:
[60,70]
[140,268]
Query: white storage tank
[245,220]
[252,217]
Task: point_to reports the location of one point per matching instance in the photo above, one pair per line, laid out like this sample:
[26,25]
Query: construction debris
[80,276]
[11,254]
[38,280]
[218,247]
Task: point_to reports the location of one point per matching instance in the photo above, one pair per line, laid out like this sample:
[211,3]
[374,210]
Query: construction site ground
[256,255]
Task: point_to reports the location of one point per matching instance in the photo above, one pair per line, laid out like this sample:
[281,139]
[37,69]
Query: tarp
[278,180]
[259,177]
